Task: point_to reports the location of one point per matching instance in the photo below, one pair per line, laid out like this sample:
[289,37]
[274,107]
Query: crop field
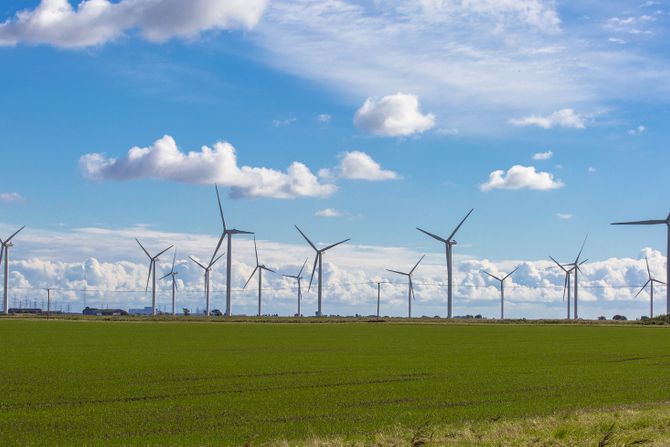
[195,383]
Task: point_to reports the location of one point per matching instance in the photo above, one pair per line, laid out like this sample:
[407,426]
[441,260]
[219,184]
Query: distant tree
[602,317]
[478,316]
[619,317]
[186,311]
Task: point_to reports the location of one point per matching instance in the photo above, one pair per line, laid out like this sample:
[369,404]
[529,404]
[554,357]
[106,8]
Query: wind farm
[390,255]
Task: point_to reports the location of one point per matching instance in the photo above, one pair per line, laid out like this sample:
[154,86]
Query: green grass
[141,383]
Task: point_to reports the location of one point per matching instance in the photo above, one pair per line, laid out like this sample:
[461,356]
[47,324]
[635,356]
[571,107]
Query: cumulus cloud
[396,115]
[543,155]
[566,118]
[357,165]
[521,177]
[328,212]
[637,131]
[565,216]
[10,197]
[324,118]
[218,164]
[96,22]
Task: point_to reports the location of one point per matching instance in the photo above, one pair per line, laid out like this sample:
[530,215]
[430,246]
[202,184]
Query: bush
[619,318]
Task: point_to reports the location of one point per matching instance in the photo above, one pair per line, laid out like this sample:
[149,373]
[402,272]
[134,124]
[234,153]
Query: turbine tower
[448,243]
[4,249]
[230,232]
[410,292]
[259,268]
[173,273]
[566,284]
[298,278]
[667,253]
[502,289]
[207,269]
[650,282]
[577,270]
[152,274]
[318,259]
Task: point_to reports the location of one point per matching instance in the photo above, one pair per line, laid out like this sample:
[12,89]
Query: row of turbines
[570,269]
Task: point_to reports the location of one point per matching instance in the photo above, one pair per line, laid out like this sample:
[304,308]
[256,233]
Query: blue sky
[494,84]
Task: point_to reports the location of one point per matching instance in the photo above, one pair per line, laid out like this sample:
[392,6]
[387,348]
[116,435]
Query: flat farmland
[195,383]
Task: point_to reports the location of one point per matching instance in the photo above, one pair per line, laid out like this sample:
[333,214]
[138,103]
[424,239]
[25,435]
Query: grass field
[142,383]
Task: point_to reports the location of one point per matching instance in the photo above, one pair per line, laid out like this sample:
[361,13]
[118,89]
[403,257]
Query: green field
[144,383]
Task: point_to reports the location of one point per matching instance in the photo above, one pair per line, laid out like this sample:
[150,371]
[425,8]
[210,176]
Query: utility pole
[379,293]
[48,303]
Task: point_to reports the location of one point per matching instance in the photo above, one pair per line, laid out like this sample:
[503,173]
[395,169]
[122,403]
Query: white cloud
[521,177]
[637,131]
[543,155]
[357,165]
[163,160]
[562,118]
[284,122]
[591,169]
[393,116]
[328,212]
[96,22]
[324,118]
[565,216]
[110,265]
[10,197]
[617,40]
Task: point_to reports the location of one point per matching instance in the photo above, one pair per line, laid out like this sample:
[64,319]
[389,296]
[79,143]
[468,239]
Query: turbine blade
[659,281]
[303,266]
[165,276]
[2,251]
[581,249]
[143,249]
[334,245]
[316,258]
[306,238]
[252,275]
[164,251]
[643,287]
[218,199]
[492,276]
[234,231]
[399,273]
[15,233]
[411,287]
[151,264]
[218,245]
[268,269]
[174,259]
[512,272]
[217,259]
[640,222]
[434,236]
[565,286]
[193,259]
[648,270]
[558,264]
[453,233]
[416,265]
[256,250]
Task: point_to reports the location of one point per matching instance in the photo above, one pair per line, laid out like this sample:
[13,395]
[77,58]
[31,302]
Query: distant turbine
[229,262]
[448,243]
[667,253]
[577,264]
[410,292]
[4,248]
[566,284]
[207,270]
[152,274]
[650,282]
[173,274]
[318,259]
[259,268]
[298,278]
[502,289]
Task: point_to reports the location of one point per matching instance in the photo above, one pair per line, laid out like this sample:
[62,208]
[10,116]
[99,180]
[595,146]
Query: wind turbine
[5,246]
[410,292]
[502,289]
[576,265]
[667,253]
[173,274]
[650,282]
[207,270]
[259,268]
[566,284]
[318,259]
[448,243]
[230,232]
[298,278]
[152,274]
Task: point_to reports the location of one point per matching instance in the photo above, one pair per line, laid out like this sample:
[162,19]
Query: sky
[351,119]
